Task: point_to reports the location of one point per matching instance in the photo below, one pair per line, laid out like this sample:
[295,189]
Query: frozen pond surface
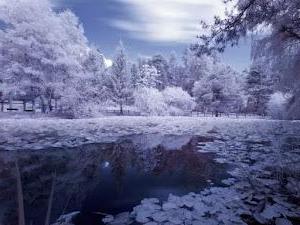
[107,178]
[240,171]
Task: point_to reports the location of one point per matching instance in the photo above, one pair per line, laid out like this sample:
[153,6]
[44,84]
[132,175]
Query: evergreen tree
[148,77]
[258,88]
[120,79]
[161,65]
[135,75]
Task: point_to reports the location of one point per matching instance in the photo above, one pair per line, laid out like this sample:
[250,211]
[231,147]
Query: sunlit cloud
[167,20]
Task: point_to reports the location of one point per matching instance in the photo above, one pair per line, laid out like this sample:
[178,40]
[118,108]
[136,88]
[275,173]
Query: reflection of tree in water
[74,174]
[158,160]
[185,160]
[118,159]
[78,170]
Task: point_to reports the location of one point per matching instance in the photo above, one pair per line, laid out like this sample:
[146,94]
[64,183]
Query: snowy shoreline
[19,134]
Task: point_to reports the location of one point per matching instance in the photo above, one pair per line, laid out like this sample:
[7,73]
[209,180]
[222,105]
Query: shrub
[150,101]
[172,101]
[179,102]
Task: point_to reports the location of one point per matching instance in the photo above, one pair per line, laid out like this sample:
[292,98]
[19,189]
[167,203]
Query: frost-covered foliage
[258,88]
[162,67]
[45,54]
[280,16]
[196,67]
[150,101]
[179,102]
[277,105]
[171,101]
[119,84]
[219,90]
[278,49]
[148,77]
[281,61]
[135,75]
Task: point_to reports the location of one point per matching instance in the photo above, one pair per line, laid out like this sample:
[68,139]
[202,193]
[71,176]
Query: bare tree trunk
[21,214]
[50,104]
[33,105]
[216,113]
[121,108]
[43,104]
[55,104]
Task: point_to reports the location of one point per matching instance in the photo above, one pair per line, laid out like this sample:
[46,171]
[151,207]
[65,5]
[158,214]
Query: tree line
[45,57]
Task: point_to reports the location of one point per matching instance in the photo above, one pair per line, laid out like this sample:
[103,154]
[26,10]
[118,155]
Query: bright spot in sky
[108,62]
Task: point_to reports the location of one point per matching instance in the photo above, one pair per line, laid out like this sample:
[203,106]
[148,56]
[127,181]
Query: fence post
[24,105]
[33,105]
[2,106]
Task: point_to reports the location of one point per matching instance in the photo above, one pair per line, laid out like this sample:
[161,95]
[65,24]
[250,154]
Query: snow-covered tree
[258,88]
[120,79]
[95,69]
[179,102]
[94,62]
[41,51]
[196,68]
[148,77]
[161,65]
[281,63]
[219,91]
[44,54]
[135,75]
[281,17]
[175,71]
[280,44]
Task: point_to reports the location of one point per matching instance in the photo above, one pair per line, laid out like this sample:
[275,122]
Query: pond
[110,177]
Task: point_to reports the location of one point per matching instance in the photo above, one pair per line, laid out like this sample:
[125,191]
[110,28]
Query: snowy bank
[18,134]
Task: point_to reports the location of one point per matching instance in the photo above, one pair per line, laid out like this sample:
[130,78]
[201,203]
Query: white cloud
[167,20]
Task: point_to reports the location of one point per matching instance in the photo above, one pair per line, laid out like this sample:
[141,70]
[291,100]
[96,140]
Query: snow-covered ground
[27,133]
[264,155]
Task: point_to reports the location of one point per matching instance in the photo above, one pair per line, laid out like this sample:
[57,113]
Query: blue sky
[148,27]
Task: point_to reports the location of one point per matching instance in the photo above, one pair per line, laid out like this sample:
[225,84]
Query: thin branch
[236,20]
[50,202]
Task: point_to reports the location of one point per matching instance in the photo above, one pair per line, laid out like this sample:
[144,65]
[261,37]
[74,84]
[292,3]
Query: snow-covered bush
[277,105]
[171,101]
[150,101]
[179,102]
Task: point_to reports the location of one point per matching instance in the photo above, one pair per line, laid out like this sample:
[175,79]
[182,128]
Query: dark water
[107,178]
